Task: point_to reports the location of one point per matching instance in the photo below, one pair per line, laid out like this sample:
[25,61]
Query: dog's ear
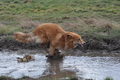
[69,36]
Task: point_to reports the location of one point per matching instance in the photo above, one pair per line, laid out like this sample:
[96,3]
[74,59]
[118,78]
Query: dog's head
[74,40]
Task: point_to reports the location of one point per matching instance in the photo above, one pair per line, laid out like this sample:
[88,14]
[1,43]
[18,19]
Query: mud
[7,42]
[94,65]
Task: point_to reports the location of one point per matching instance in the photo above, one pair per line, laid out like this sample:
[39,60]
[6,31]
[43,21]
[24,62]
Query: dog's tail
[25,38]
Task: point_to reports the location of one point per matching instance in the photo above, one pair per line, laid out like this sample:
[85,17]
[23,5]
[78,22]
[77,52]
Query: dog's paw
[49,56]
[56,56]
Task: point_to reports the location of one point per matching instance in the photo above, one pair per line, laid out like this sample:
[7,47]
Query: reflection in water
[96,68]
[55,71]
[90,65]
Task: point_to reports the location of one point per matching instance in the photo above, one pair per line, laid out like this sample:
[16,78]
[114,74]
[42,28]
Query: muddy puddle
[92,65]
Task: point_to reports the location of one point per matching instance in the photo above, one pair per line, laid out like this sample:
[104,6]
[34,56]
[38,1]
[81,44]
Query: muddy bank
[109,44]
[7,42]
[11,44]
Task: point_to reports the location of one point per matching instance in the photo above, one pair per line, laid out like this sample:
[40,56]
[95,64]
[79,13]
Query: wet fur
[53,34]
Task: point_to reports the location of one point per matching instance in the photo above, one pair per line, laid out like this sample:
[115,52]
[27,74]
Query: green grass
[57,9]
[15,15]
[109,78]
[6,78]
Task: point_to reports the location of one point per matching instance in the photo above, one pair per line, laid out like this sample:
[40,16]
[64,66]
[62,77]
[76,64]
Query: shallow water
[84,65]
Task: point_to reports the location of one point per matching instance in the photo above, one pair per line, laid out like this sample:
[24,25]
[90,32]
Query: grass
[6,78]
[54,9]
[84,17]
[109,78]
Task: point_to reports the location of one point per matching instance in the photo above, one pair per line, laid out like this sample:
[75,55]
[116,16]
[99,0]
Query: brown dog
[53,34]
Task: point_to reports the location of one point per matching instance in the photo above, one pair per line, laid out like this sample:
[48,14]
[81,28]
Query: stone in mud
[19,59]
[26,58]
[22,59]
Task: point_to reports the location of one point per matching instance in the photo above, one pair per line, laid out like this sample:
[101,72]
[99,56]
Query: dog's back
[43,33]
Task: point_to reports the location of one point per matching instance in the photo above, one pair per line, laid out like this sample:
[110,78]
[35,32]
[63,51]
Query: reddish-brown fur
[53,34]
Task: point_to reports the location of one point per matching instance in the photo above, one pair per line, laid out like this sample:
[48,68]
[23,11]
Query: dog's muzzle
[81,45]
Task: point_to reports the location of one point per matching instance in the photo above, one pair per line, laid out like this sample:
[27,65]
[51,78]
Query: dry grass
[97,22]
[3,28]
[28,25]
[91,22]
[94,27]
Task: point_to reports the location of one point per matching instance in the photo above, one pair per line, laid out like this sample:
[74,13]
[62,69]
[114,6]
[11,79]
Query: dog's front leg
[52,49]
